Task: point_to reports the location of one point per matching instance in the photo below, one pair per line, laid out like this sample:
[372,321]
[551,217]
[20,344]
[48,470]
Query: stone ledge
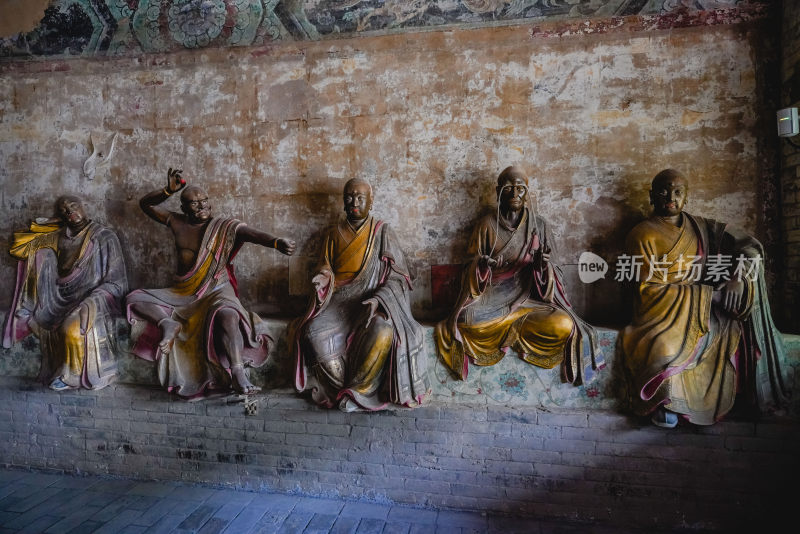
[511,382]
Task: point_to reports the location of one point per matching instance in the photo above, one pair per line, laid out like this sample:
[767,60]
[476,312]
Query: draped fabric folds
[47,303]
[520,304]
[684,351]
[194,365]
[337,353]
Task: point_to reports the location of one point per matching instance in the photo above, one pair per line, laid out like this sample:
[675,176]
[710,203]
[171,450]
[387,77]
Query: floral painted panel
[511,382]
[91,28]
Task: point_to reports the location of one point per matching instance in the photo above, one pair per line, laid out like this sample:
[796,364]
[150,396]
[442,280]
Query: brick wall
[590,466]
[790,162]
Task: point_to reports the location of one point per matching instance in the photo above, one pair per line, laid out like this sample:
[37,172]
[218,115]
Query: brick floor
[36,502]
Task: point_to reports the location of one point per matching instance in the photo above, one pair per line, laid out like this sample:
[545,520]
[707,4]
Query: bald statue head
[194,203]
[69,209]
[668,193]
[512,189]
[357,198]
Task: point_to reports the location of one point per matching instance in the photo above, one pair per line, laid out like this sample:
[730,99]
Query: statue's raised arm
[198,332]
[247,234]
[150,202]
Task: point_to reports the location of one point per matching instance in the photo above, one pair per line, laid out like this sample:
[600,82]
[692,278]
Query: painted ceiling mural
[128,27]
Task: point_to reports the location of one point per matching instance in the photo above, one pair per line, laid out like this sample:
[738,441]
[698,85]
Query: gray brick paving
[319,506]
[296,522]
[344,525]
[413,515]
[39,524]
[366,509]
[320,524]
[370,526]
[396,528]
[66,504]
[166,524]
[215,525]
[470,520]
[245,520]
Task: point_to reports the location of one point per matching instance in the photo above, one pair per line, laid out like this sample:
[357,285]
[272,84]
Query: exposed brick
[535,455]
[427,486]
[468,490]
[495,453]
[503,414]
[565,445]
[516,467]
[562,419]
[737,443]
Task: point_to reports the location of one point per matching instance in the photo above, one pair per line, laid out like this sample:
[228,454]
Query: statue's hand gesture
[285,246]
[47,220]
[175,181]
[83,313]
[321,280]
[487,262]
[541,258]
[732,293]
[546,255]
[321,283]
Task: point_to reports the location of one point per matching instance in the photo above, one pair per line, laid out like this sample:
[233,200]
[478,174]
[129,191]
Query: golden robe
[194,364]
[520,305]
[338,355]
[681,349]
[46,303]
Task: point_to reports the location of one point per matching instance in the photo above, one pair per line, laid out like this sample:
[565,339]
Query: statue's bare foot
[169,331]
[241,384]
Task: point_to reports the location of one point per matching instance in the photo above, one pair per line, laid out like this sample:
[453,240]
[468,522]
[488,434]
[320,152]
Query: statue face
[72,213]
[512,193]
[357,201]
[195,205]
[669,196]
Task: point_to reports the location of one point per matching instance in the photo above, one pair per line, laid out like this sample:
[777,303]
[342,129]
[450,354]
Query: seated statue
[197,330]
[358,346]
[70,284]
[512,296]
[702,330]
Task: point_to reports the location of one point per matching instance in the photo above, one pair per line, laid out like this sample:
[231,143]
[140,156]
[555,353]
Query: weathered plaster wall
[429,118]
[20,15]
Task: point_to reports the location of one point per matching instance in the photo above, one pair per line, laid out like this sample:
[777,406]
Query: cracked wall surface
[429,118]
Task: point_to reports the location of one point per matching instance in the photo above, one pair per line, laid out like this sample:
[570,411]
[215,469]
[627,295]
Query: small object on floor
[250,405]
[250,402]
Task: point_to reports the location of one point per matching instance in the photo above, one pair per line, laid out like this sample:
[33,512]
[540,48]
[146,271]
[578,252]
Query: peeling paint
[274,137]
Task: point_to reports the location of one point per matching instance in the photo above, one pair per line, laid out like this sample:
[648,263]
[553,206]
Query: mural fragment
[91,28]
